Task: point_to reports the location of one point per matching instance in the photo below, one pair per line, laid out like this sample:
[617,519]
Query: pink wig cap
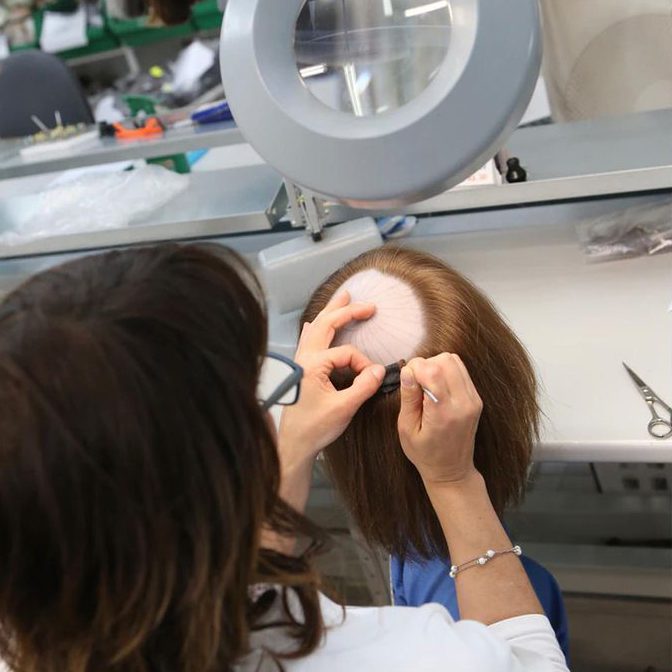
[397,329]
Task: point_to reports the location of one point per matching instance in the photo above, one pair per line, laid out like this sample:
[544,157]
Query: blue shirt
[415,583]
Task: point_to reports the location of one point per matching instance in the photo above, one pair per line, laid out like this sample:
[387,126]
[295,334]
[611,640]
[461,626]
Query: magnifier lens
[367,57]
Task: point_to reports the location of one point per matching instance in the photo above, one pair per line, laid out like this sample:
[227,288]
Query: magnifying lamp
[370,103]
[379,103]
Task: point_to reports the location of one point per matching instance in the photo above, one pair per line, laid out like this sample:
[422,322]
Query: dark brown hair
[380,486]
[137,468]
[172,12]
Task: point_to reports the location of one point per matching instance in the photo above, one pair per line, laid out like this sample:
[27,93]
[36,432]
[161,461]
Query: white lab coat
[413,639]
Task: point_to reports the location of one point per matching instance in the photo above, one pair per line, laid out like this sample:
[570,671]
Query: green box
[66,6]
[206,15]
[137,32]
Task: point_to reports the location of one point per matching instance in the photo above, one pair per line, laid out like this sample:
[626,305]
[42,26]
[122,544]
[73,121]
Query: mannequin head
[423,308]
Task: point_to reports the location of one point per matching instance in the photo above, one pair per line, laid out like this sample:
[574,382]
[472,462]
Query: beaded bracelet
[482,560]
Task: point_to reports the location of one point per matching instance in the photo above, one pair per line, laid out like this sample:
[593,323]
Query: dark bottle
[515,172]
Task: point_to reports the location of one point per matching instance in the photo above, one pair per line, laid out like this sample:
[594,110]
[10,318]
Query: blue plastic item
[213,113]
[396,226]
[194,157]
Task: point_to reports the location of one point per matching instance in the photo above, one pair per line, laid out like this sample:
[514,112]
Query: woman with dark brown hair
[148,517]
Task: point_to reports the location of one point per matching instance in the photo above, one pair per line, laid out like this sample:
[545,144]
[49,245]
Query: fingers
[339,300]
[469,383]
[410,413]
[430,375]
[363,387]
[319,334]
[438,438]
[322,330]
[441,375]
[447,378]
[345,357]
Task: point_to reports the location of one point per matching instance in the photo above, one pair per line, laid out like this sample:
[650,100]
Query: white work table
[579,321]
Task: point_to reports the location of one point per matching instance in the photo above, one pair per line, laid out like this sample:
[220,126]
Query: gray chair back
[39,84]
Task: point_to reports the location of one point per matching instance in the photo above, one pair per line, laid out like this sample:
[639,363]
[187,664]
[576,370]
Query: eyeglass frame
[292,380]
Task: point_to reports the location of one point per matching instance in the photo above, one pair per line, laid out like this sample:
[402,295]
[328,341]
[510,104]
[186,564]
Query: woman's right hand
[438,438]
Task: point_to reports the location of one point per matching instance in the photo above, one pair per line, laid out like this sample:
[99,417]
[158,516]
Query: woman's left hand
[323,412]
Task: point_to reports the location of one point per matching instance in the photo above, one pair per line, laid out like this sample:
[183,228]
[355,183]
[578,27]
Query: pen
[430,394]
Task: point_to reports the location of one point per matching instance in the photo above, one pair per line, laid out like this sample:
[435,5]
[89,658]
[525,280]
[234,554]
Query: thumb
[410,415]
[363,387]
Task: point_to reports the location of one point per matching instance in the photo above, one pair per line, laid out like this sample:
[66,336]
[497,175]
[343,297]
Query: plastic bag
[96,202]
[632,232]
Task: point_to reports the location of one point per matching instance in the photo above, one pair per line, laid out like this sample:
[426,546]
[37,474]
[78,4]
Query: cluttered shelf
[166,103]
[98,150]
[564,161]
[72,29]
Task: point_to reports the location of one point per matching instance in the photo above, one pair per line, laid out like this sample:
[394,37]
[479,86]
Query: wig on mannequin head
[424,307]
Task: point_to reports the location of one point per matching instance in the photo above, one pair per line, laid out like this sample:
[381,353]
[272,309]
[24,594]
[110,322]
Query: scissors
[658,427]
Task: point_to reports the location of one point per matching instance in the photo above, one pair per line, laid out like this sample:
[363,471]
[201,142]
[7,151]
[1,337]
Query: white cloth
[414,639]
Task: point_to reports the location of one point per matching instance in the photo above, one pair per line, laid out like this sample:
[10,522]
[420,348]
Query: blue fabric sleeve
[415,583]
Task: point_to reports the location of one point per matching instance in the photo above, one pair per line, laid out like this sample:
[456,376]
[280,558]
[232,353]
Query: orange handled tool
[150,127]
